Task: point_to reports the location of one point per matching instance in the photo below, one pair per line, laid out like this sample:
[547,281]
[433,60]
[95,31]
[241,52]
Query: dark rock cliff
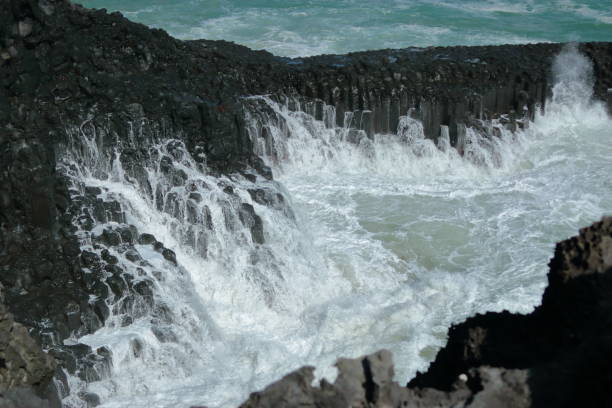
[67,70]
[557,356]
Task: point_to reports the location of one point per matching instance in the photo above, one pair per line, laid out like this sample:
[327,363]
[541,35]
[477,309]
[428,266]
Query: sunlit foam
[380,242]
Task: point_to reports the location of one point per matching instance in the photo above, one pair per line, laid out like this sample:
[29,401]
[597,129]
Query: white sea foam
[382,243]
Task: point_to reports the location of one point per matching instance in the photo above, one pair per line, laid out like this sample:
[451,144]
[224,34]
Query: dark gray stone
[146,239]
[21,397]
[25,370]
[169,255]
[92,400]
[251,220]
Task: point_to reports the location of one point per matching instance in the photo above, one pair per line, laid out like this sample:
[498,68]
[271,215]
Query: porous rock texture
[67,72]
[25,370]
[557,356]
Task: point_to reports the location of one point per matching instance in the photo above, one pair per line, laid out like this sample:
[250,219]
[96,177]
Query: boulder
[25,370]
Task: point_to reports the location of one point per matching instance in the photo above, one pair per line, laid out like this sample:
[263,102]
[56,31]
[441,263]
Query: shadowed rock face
[360,382]
[66,71]
[25,370]
[562,346]
[368,382]
[557,356]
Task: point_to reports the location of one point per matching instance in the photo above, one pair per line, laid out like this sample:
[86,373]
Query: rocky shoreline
[556,356]
[66,70]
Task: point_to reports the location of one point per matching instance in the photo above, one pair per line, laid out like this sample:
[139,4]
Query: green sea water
[300,28]
[387,243]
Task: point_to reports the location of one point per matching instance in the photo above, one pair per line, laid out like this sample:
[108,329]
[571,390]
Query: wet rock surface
[71,76]
[562,345]
[556,356]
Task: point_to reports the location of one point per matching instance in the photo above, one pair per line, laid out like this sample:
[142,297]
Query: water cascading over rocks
[553,356]
[288,132]
[135,201]
[129,200]
[130,179]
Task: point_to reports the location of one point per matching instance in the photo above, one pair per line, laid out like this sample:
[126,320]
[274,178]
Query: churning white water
[372,244]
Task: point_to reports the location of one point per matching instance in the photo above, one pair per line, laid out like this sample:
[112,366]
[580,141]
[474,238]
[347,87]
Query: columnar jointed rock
[67,73]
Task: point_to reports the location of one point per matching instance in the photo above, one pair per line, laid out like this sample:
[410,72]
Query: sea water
[300,28]
[379,243]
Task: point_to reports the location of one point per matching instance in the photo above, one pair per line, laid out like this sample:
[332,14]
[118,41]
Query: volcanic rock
[67,72]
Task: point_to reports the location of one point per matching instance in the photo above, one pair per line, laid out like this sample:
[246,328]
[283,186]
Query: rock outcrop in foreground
[557,356]
[25,370]
[70,76]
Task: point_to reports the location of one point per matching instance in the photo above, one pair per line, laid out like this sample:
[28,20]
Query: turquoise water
[300,28]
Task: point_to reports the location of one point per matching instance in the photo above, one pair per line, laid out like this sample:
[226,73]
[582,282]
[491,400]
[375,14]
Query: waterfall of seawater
[359,244]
